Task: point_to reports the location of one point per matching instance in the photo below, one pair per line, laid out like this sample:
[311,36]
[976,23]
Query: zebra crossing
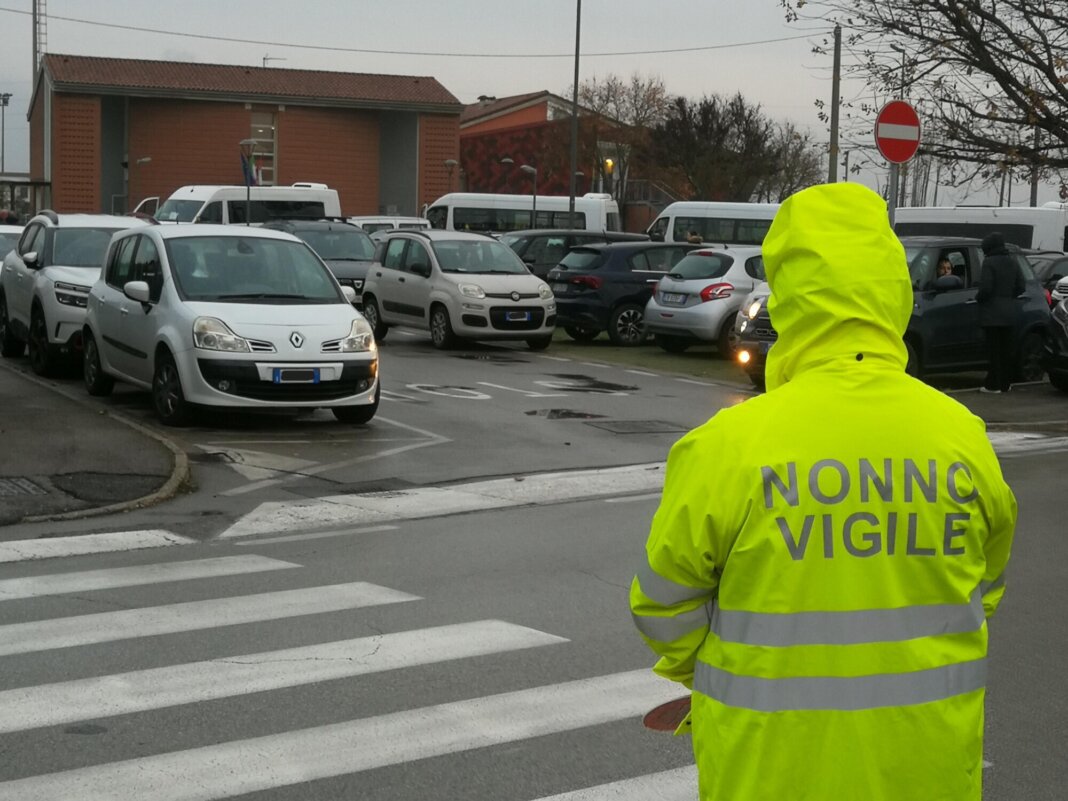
[283,760]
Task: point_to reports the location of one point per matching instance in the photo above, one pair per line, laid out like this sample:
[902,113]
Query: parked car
[943,334]
[456,285]
[45,282]
[699,299]
[1060,291]
[376,226]
[9,237]
[347,250]
[541,249]
[605,287]
[1049,267]
[227,316]
[1056,354]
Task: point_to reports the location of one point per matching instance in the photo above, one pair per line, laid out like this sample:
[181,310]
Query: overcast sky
[745,46]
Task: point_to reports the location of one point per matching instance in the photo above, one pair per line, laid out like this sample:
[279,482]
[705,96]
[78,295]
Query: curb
[179,472]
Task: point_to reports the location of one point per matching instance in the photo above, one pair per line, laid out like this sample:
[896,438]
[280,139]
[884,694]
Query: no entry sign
[897,131]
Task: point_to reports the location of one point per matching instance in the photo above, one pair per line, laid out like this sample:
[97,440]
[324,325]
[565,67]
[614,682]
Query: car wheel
[912,366]
[97,382]
[358,415]
[373,315]
[626,325]
[727,342]
[759,381]
[42,360]
[1059,380]
[581,334]
[673,344]
[167,396]
[441,328]
[539,343]
[10,345]
[1029,365]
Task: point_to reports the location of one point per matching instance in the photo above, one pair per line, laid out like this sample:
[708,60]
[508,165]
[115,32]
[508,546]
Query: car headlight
[361,338]
[72,294]
[754,308]
[472,291]
[544,292]
[210,333]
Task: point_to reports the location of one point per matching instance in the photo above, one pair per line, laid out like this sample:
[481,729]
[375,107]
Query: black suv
[542,249]
[346,248]
[943,334]
[606,287]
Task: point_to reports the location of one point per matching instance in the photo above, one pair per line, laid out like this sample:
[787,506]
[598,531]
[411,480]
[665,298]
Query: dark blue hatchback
[943,334]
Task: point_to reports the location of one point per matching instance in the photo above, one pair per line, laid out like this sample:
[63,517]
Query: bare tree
[990,77]
[799,161]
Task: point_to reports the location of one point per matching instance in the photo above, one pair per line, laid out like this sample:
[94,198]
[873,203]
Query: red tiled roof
[170,77]
[487,108]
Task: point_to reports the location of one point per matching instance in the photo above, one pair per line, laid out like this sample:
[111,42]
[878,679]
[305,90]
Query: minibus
[714,222]
[470,211]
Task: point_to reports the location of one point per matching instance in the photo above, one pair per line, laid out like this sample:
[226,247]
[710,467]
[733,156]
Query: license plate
[291,375]
[560,289]
[765,346]
[672,297]
[516,316]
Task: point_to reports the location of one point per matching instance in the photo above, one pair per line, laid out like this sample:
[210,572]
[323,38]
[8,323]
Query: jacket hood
[840,285]
[994,242]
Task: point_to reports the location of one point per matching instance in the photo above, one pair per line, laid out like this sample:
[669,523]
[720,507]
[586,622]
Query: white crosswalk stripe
[304,753]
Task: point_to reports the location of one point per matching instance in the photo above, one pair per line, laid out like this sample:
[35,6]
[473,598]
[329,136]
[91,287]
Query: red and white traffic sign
[897,131]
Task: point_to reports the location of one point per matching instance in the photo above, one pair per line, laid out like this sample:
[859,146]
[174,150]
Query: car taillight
[1049,297]
[588,281]
[716,291]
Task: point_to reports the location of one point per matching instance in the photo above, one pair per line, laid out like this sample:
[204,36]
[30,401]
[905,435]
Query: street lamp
[248,152]
[533,171]
[450,165]
[6,96]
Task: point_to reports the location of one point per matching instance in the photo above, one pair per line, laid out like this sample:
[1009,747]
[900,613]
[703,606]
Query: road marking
[422,502]
[243,674]
[432,439]
[316,535]
[525,392]
[399,396]
[645,496]
[107,542]
[68,632]
[668,785]
[641,372]
[553,358]
[457,393]
[89,580]
[281,760]
[696,383]
[1008,444]
[595,364]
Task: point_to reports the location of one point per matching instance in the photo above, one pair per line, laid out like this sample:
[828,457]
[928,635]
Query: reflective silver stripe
[847,628]
[664,591]
[842,693]
[669,629]
[996,584]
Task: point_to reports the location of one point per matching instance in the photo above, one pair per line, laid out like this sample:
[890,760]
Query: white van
[372,225]
[228,204]
[470,211]
[1039,228]
[720,223]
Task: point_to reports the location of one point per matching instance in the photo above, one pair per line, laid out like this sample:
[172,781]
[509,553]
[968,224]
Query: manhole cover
[639,427]
[564,414]
[19,486]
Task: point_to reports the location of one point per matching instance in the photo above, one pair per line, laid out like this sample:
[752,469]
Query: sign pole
[891,200]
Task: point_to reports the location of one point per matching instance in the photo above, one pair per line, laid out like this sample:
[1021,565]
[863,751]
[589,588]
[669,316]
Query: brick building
[107,132]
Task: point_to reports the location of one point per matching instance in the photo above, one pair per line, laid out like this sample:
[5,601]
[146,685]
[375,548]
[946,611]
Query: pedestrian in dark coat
[1000,282]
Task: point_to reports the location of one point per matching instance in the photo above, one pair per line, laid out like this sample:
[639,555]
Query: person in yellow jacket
[824,557]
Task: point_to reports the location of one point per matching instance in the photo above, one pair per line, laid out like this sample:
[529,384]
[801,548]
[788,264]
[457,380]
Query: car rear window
[702,265]
[583,259]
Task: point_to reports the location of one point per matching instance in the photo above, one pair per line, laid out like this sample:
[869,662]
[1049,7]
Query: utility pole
[832,167]
[1034,168]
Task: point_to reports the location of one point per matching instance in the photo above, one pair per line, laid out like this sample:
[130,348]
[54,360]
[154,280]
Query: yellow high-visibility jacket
[824,556]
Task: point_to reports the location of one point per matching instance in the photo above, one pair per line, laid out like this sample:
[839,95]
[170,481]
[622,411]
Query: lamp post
[248,151]
[4,98]
[895,169]
[450,165]
[532,171]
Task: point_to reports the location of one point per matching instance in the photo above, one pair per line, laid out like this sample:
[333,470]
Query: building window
[263,131]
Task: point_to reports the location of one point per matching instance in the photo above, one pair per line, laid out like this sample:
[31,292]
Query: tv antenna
[267,58]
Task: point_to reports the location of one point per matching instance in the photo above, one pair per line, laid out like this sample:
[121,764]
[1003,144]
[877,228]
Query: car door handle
[124,311]
[401,279]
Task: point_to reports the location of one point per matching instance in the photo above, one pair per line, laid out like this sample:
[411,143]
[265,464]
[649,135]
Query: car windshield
[249,269]
[511,240]
[178,210]
[579,259]
[477,256]
[702,265]
[81,247]
[340,245]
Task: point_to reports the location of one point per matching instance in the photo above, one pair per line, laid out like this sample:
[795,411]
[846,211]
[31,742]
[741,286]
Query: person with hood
[824,557]
[1000,281]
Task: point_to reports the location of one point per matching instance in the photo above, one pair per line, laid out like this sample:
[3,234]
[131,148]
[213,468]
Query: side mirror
[347,291]
[30,259]
[137,290]
[656,236]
